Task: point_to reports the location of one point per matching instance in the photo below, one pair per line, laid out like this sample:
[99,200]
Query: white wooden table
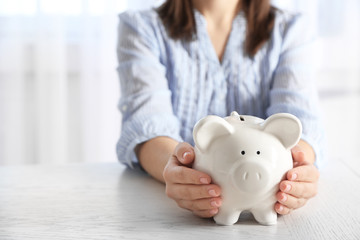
[107,201]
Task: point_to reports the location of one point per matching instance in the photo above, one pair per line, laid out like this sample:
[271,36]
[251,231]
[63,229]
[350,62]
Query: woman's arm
[147,114]
[145,103]
[293,87]
[293,90]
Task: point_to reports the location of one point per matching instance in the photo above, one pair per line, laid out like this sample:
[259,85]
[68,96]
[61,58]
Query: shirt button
[124,108]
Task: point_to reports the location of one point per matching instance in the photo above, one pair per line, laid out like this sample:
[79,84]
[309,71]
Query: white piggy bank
[247,157]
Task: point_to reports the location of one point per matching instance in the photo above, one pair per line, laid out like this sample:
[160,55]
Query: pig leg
[265,216]
[227,216]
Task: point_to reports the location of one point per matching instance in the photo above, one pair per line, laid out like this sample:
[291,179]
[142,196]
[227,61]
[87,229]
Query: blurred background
[59,87]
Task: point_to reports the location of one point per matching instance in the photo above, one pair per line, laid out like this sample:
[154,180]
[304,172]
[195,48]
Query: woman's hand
[190,188]
[300,184]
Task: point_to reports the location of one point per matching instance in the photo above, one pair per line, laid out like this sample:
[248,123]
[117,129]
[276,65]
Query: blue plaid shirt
[168,85]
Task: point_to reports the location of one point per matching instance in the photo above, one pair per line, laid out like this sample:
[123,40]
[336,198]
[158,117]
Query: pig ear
[286,127]
[210,128]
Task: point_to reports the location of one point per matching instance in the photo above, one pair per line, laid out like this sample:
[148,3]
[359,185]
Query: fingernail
[283,198]
[186,154]
[214,211]
[296,149]
[212,193]
[287,188]
[280,208]
[293,176]
[204,180]
[215,204]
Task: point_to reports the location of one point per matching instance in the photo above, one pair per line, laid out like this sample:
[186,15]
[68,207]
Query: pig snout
[250,177]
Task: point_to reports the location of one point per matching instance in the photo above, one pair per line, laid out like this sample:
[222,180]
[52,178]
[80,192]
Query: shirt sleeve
[293,87]
[145,101]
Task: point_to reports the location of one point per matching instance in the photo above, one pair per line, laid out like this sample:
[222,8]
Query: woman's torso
[201,85]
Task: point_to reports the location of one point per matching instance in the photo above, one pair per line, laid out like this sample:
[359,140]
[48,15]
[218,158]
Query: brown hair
[179,20]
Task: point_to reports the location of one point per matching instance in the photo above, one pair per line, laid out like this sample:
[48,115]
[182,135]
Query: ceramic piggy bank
[247,157]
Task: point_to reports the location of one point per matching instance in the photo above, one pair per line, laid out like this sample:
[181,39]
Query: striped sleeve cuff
[140,129]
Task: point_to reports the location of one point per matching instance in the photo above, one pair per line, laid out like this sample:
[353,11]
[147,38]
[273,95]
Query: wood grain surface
[108,201]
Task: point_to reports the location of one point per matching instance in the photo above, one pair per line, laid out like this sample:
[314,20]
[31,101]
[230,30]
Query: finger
[200,204]
[296,149]
[192,192]
[184,175]
[281,209]
[306,173]
[206,213]
[298,156]
[290,201]
[184,152]
[299,189]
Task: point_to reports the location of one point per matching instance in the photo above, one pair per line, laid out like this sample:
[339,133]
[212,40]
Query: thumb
[298,156]
[184,152]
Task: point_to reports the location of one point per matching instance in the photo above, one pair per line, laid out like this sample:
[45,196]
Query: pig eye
[241,118]
[258,152]
[242,152]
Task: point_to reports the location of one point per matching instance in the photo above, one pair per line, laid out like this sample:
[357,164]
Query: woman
[192,58]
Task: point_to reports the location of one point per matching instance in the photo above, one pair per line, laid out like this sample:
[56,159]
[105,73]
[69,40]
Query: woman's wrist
[154,154]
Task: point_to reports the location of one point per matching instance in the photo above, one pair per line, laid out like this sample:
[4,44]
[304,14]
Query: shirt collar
[236,37]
